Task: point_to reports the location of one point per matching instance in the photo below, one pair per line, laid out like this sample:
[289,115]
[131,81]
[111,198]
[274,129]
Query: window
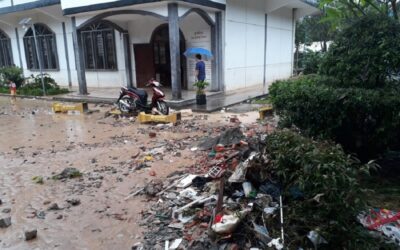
[99,47]
[5,50]
[46,45]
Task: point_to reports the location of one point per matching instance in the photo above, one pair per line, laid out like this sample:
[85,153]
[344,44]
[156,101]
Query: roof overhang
[123,3]
[28,6]
[302,7]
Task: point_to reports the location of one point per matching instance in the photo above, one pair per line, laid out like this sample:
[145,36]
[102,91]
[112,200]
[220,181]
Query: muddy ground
[108,151]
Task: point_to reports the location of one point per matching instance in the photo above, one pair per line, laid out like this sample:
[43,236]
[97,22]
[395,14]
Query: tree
[365,53]
[339,11]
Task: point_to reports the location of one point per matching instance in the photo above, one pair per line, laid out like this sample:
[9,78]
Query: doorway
[153,59]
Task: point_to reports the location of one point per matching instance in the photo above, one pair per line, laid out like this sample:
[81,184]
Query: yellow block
[172,118]
[264,111]
[63,108]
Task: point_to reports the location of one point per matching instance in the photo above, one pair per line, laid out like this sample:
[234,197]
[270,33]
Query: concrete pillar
[66,54]
[128,64]
[174,44]
[80,62]
[216,47]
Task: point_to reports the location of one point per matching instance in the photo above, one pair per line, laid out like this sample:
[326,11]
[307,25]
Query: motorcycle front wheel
[162,107]
[126,104]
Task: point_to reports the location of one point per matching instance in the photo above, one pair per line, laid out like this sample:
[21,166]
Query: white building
[106,43]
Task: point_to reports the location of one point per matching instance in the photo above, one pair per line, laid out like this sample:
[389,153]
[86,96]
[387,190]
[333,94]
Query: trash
[261,233]
[276,243]
[186,182]
[175,244]
[249,190]
[199,181]
[215,172]
[270,210]
[240,173]
[194,149]
[73,201]
[198,201]
[152,173]
[384,221]
[153,188]
[271,189]
[227,224]
[68,173]
[148,158]
[219,148]
[188,193]
[227,138]
[152,135]
[316,239]
[5,222]
[30,234]
[38,179]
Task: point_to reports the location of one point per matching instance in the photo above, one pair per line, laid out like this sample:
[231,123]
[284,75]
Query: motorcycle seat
[141,93]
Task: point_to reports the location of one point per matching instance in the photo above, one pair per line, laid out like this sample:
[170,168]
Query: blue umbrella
[192,52]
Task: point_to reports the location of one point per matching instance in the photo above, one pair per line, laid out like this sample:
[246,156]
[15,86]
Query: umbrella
[192,52]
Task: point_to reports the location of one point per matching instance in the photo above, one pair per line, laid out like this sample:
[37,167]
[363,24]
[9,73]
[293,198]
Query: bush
[34,86]
[364,121]
[14,74]
[310,61]
[327,180]
[366,53]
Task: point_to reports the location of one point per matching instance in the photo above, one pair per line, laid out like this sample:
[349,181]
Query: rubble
[5,222]
[68,173]
[30,234]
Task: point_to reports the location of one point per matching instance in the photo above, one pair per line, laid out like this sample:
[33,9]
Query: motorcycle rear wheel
[162,107]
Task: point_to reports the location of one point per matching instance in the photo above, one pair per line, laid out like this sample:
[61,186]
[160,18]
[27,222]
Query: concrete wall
[245,44]
[197,34]
[279,45]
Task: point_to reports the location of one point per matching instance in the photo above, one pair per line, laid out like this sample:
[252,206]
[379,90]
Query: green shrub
[364,121]
[365,53]
[328,180]
[14,74]
[310,61]
[34,87]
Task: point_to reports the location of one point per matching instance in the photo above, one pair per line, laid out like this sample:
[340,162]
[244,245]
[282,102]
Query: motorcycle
[135,100]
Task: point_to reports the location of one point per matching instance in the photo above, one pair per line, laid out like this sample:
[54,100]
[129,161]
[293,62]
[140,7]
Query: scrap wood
[220,196]
[134,194]
[198,201]
[172,185]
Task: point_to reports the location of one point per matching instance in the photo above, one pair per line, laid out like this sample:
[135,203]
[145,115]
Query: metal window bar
[47,48]
[102,46]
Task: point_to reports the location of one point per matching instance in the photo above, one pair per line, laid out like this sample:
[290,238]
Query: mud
[36,142]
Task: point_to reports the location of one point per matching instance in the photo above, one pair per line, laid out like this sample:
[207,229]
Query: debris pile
[228,202]
[253,189]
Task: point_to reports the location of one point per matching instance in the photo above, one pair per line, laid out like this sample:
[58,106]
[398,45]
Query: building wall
[197,35]
[61,75]
[279,45]
[245,44]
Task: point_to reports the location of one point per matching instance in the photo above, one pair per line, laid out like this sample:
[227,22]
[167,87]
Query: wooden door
[144,63]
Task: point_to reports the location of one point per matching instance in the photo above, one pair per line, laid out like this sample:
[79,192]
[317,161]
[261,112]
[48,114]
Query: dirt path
[35,142]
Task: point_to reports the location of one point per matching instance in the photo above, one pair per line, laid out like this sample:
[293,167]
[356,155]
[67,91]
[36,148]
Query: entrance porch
[132,45]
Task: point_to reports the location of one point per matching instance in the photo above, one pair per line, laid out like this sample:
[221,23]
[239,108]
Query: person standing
[200,69]
[13,87]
